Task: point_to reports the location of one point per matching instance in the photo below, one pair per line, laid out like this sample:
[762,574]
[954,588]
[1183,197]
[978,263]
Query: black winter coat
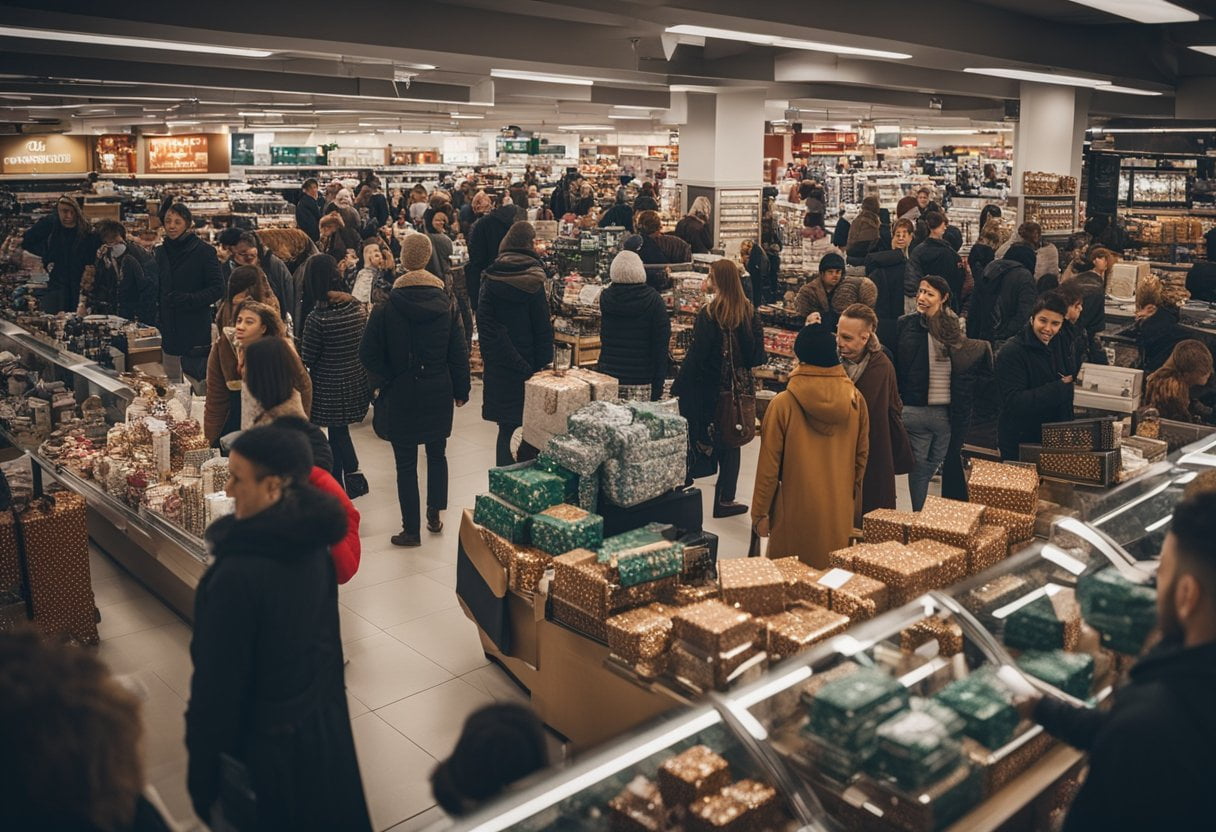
[1150,755]
[515,333]
[1201,281]
[124,291]
[190,282]
[484,239]
[634,333]
[415,351]
[1001,302]
[1028,374]
[910,354]
[696,232]
[64,253]
[886,269]
[618,214]
[938,257]
[308,217]
[1157,336]
[1093,303]
[268,687]
[1075,347]
[978,258]
[330,351]
[700,378]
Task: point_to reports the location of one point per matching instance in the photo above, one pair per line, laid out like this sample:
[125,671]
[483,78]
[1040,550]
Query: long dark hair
[320,275]
[270,371]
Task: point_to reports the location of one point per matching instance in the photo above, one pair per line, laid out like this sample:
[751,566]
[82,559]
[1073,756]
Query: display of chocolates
[754,585]
[1004,486]
[693,774]
[1081,435]
[882,524]
[1088,467]
[1050,621]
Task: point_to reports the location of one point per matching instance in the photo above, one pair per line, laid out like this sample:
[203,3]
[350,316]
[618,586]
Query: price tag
[835,578]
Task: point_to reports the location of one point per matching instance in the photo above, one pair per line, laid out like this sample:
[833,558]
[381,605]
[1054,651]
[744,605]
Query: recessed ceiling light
[1142,11]
[638,117]
[521,75]
[578,128]
[1152,129]
[784,43]
[141,43]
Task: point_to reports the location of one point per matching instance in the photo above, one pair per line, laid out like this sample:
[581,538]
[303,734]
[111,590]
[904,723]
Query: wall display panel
[51,153]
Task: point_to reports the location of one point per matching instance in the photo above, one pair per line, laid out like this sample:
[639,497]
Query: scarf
[945,327]
[856,369]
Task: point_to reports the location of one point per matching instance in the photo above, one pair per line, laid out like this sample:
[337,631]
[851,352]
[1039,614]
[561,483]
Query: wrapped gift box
[1123,613]
[583,582]
[802,582]
[549,399]
[990,547]
[577,619]
[1019,527]
[502,518]
[936,805]
[596,423]
[1081,435]
[1087,467]
[1072,673]
[714,627]
[799,628]
[1004,486]
[528,488]
[754,585]
[940,628]
[568,477]
[715,671]
[906,572]
[631,483]
[638,808]
[1048,622]
[859,597]
[640,634]
[697,772]
[660,419]
[685,595]
[526,567]
[951,560]
[915,749]
[581,456]
[846,712]
[883,524]
[985,706]
[947,521]
[763,804]
[996,593]
[561,528]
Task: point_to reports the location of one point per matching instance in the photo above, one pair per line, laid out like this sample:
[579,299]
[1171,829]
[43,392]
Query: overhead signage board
[50,153]
[178,154]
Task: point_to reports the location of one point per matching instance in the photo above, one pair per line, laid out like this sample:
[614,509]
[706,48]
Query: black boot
[730,509]
[433,524]
[409,539]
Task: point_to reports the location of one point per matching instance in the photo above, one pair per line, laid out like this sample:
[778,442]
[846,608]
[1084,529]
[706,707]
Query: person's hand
[1066,379]
[762,527]
[461,402]
[1026,705]
[814,318]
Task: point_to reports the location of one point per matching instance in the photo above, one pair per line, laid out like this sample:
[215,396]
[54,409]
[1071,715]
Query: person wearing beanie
[416,354]
[67,246]
[830,293]
[485,239]
[635,330]
[516,336]
[1003,296]
[498,745]
[267,697]
[814,443]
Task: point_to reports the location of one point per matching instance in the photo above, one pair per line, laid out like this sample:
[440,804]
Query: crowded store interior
[559,416]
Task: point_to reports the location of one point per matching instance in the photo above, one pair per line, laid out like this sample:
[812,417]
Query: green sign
[515,146]
[284,155]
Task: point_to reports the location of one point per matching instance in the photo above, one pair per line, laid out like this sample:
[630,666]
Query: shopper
[330,351]
[635,331]
[337,239]
[867,366]
[914,206]
[935,256]
[515,334]
[659,250]
[1170,389]
[814,445]
[375,275]
[620,214]
[830,292]
[1157,329]
[73,737]
[1073,342]
[249,251]
[1003,297]
[727,341]
[1150,751]
[308,209]
[1090,273]
[865,229]
[498,745]
[267,725]
[887,269]
[190,283]
[415,350]
[484,241]
[646,199]
[435,226]
[120,285]
[694,227]
[67,246]
[1034,384]
[1201,279]
[981,255]
[758,277]
[239,325]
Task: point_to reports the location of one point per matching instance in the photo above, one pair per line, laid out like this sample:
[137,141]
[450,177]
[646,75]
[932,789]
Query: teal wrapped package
[529,488]
[846,712]
[568,477]
[915,749]
[563,528]
[502,518]
[581,456]
[1072,673]
[1049,622]
[1122,612]
[642,555]
[989,715]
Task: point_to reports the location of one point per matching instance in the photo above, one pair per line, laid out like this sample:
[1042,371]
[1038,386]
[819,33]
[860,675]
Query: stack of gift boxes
[1084,451]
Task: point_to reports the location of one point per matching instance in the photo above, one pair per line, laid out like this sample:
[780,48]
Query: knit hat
[415,252]
[831,261]
[816,346]
[276,450]
[521,235]
[627,268]
[1023,254]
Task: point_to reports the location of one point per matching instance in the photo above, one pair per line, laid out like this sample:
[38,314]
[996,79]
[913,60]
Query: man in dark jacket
[619,214]
[1073,343]
[120,286]
[515,332]
[635,328]
[484,239]
[1150,754]
[67,246]
[267,709]
[1003,297]
[1034,386]
[936,256]
[887,270]
[190,282]
[657,249]
[308,210]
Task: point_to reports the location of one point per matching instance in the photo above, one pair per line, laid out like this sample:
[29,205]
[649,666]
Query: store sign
[287,155]
[515,145]
[178,154]
[242,148]
[909,141]
[52,153]
[551,150]
[114,153]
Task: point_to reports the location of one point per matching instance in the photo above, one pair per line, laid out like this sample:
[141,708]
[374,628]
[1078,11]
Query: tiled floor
[416,667]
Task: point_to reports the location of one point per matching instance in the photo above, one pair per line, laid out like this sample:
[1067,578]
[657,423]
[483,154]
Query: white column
[722,143]
[1046,137]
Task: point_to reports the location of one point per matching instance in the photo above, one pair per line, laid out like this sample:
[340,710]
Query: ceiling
[363,65]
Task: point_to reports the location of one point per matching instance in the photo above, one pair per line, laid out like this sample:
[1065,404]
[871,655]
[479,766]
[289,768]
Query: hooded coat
[484,238]
[330,351]
[190,282]
[268,688]
[634,333]
[1001,302]
[1028,376]
[1150,754]
[696,232]
[65,252]
[415,351]
[890,451]
[814,296]
[814,443]
[863,232]
[886,269]
[515,332]
[936,256]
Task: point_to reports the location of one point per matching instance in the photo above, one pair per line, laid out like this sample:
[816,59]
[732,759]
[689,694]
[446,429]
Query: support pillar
[1050,132]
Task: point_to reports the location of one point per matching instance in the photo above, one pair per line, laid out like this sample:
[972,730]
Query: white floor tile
[132,616]
[434,718]
[447,638]
[354,627]
[383,670]
[421,821]
[115,590]
[395,772]
[497,684]
[164,717]
[163,650]
[445,575]
[395,602]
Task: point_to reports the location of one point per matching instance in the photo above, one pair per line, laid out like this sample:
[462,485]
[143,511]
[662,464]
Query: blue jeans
[929,432]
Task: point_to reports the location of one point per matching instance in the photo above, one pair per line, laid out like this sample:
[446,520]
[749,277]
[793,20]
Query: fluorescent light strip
[1142,11]
[1098,84]
[1206,50]
[465,116]
[1125,90]
[784,43]
[521,75]
[578,128]
[141,43]
[636,117]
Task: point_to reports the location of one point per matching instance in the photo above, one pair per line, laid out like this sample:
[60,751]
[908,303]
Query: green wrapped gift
[847,712]
[529,488]
[581,456]
[1049,622]
[660,419]
[551,466]
[1123,613]
[915,749]
[502,518]
[561,528]
[642,555]
[989,715]
[1072,673]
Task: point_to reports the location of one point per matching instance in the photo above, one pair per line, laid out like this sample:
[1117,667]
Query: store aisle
[416,667]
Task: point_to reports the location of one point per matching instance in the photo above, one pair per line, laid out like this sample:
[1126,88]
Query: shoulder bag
[735,413]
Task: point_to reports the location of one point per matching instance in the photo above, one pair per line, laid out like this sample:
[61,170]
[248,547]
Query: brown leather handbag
[735,414]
